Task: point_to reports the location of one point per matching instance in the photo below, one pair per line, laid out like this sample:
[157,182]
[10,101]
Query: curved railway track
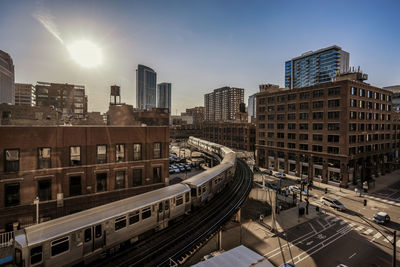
[177,240]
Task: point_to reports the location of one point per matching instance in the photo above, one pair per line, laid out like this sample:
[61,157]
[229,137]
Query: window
[157,175]
[36,255]
[120,223]
[280,144]
[157,150]
[317,126]
[119,179]
[280,117]
[333,150]
[281,108]
[362,92]
[361,115]
[333,103]
[261,101]
[376,95]
[317,137]
[271,100]
[179,200]
[333,126]
[333,115]
[292,126]
[318,104]
[303,126]
[292,97]
[334,91]
[88,235]
[137,151]
[11,194]
[361,104]
[137,177]
[270,117]
[353,115]
[280,126]
[44,159]
[291,107]
[318,115]
[101,182]
[291,145]
[317,148]
[281,135]
[352,151]
[304,95]
[44,190]
[119,153]
[303,147]
[333,138]
[12,160]
[146,213]
[187,197]
[353,91]
[318,93]
[59,246]
[75,188]
[134,217]
[353,103]
[291,116]
[101,154]
[271,108]
[281,98]
[304,105]
[75,155]
[270,135]
[303,136]
[303,116]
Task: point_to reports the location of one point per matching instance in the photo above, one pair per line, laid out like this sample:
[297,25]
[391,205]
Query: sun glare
[85,53]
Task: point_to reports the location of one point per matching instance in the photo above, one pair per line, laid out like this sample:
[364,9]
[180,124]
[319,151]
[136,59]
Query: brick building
[198,114]
[73,168]
[339,132]
[184,131]
[223,103]
[236,135]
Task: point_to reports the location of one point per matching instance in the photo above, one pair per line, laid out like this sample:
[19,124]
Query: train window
[97,231]
[88,235]
[59,246]
[134,217]
[167,204]
[199,191]
[120,223]
[160,207]
[204,189]
[179,200]
[187,197]
[146,213]
[193,192]
[36,255]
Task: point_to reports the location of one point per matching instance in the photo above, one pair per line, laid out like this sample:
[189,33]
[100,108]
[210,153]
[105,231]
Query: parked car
[182,168]
[381,217]
[333,203]
[296,189]
[187,167]
[280,175]
[171,170]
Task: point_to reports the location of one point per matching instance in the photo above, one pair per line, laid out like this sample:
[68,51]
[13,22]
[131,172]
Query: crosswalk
[370,233]
[383,199]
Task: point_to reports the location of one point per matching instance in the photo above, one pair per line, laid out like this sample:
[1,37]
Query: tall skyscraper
[164,96]
[317,67]
[25,94]
[223,103]
[146,80]
[252,107]
[7,93]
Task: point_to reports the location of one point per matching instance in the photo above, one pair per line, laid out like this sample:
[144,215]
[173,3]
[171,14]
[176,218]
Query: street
[335,237]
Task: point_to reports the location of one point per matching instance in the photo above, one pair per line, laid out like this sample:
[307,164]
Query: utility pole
[36,202]
[394,248]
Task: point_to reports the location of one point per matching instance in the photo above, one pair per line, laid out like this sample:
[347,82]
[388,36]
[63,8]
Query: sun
[85,53]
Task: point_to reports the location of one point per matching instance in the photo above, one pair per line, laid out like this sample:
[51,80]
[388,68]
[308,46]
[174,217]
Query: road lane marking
[312,227]
[377,235]
[367,232]
[310,242]
[320,223]
[386,239]
[359,228]
[352,224]
[352,256]
[335,219]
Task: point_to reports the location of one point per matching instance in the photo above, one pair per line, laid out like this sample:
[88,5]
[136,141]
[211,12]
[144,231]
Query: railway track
[177,241]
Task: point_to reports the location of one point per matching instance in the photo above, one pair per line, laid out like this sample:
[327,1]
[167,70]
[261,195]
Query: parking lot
[181,168]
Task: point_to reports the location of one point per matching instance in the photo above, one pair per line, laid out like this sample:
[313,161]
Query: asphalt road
[335,237]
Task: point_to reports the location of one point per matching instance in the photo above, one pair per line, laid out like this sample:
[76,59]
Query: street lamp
[36,202]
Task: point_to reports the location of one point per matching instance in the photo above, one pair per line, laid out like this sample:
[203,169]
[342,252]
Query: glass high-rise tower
[317,67]
[7,90]
[164,96]
[146,80]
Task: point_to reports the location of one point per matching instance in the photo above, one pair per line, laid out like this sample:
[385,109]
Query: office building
[6,79]
[198,114]
[25,94]
[74,168]
[69,100]
[146,80]
[395,89]
[338,132]
[223,103]
[164,96]
[317,67]
[252,108]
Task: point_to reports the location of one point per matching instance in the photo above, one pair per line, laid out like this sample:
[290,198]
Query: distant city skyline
[197,46]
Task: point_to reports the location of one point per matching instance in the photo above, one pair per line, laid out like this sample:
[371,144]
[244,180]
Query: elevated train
[83,237]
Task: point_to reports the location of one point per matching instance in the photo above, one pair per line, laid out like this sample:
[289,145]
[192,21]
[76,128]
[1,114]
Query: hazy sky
[196,45]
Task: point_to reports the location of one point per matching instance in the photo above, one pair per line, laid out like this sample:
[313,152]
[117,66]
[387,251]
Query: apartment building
[338,132]
[25,94]
[73,168]
[223,103]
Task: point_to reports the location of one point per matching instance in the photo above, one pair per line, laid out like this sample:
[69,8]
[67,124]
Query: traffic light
[365,202]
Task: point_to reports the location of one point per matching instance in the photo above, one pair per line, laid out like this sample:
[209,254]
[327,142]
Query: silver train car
[84,236]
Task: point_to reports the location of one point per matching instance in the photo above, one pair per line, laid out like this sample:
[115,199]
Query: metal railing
[6,239]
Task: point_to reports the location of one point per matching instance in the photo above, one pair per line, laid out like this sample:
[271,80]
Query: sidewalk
[290,218]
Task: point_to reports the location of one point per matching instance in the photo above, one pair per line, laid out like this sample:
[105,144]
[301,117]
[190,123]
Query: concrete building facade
[339,132]
[395,89]
[223,103]
[198,114]
[74,168]
[25,94]
[252,108]
[7,78]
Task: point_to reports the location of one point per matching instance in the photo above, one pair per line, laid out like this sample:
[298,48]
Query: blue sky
[196,45]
